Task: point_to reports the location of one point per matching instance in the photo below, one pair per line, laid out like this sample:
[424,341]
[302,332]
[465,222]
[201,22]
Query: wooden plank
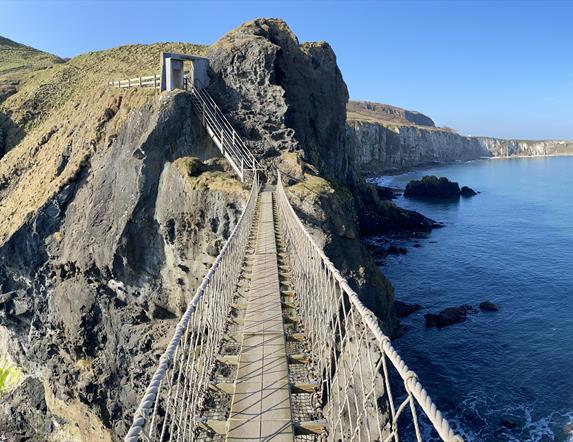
[261,408]
[218,427]
[229,359]
[310,427]
[304,388]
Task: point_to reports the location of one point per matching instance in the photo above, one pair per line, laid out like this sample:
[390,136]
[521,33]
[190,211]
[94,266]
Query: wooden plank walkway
[261,408]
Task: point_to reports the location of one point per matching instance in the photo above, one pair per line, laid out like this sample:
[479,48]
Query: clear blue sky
[503,69]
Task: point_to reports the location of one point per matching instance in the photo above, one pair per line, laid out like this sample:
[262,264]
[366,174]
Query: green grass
[69,100]
[47,82]
[17,59]
[9,376]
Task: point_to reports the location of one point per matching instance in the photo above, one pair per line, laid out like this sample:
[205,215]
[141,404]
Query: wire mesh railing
[351,357]
[171,405]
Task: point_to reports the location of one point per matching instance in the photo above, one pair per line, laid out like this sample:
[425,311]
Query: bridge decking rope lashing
[275,345]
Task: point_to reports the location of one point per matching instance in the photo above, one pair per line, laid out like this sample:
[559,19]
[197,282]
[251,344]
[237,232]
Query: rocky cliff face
[288,101]
[95,280]
[530,148]
[282,95]
[107,226]
[381,147]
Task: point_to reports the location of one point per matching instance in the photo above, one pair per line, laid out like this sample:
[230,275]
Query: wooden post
[139,81]
[129,82]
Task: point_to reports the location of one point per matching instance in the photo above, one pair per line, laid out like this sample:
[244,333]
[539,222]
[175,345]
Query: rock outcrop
[98,277]
[404,309]
[284,96]
[488,306]
[113,204]
[448,316]
[381,147]
[467,192]
[432,187]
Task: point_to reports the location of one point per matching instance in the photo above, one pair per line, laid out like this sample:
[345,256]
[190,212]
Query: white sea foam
[479,418]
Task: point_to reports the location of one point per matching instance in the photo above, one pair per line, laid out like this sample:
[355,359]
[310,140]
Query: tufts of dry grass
[46,90]
[64,114]
[17,60]
[200,177]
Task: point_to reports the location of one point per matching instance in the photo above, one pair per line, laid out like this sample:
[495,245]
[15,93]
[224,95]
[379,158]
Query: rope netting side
[351,356]
[170,407]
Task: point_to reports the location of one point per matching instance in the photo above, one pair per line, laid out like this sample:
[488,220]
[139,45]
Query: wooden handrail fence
[218,127]
[153,81]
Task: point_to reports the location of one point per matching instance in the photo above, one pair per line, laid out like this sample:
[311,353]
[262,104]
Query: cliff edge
[385,113]
[382,144]
[107,226]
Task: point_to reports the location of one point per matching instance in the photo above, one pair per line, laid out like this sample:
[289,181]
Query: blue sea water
[511,244]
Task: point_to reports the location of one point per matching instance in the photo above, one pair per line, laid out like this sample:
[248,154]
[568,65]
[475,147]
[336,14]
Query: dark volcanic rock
[386,193]
[25,415]
[378,216]
[432,187]
[467,192]
[395,250]
[282,95]
[102,272]
[488,306]
[509,422]
[403,309]
[449,316]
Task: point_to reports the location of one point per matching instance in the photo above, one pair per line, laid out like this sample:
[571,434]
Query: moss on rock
[10,376]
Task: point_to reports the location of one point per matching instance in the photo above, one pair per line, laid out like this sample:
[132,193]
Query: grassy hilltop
[17,62]
[55,110]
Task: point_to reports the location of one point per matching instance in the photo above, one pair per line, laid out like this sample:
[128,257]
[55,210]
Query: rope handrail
[230,129]
[220,133]
[184,369]
[326,300]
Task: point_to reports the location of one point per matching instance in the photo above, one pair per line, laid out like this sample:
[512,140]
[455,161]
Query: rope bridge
[170,408]
[348,364]
[351,355]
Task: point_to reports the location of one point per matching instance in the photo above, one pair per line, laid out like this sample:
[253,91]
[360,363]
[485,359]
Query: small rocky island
[454,315]
[432,187]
